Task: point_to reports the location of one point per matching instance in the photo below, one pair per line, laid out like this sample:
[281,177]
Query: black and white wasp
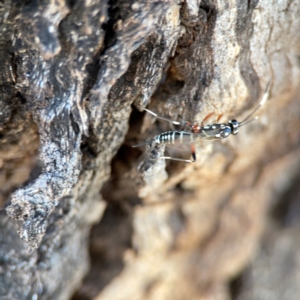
[215,131]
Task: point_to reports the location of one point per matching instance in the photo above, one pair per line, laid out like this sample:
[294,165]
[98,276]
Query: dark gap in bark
[111,238]
[21,98]
[74,124]
[286,213]
[93,68]
[172,81]
[108,27]
[209,7]
[13,66]
[89,148]
[15,125]
[135,124]
[235,286]
[71,3]
[121,188]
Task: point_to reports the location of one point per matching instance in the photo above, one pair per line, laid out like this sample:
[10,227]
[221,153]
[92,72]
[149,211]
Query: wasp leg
[206,118]
[195,128]
[219,117]
[184,160]
[177,159]
[193,150]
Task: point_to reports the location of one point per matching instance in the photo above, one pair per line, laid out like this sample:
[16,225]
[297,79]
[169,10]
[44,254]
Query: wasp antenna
[162,118]
[261,103]
[244,123]
[265,95]
[254,111]
[151,112]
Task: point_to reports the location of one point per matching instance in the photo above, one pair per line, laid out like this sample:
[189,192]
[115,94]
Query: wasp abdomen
[170,137]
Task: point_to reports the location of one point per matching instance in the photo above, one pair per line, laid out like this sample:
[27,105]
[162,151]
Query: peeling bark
[76,78]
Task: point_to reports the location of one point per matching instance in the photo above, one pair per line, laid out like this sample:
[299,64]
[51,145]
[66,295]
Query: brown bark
[76,77]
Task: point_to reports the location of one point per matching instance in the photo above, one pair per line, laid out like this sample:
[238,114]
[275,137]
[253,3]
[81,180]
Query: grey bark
[76,76]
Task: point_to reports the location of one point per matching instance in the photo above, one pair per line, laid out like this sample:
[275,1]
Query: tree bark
[76,77]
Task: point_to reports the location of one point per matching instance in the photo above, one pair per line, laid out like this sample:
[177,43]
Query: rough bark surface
[76,76]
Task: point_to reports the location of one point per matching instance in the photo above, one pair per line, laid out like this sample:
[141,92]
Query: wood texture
[76,76]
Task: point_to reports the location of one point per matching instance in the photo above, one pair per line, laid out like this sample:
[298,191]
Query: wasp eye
[234,124]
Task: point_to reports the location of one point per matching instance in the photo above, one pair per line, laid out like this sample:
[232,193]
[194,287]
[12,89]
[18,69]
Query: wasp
[215,131]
